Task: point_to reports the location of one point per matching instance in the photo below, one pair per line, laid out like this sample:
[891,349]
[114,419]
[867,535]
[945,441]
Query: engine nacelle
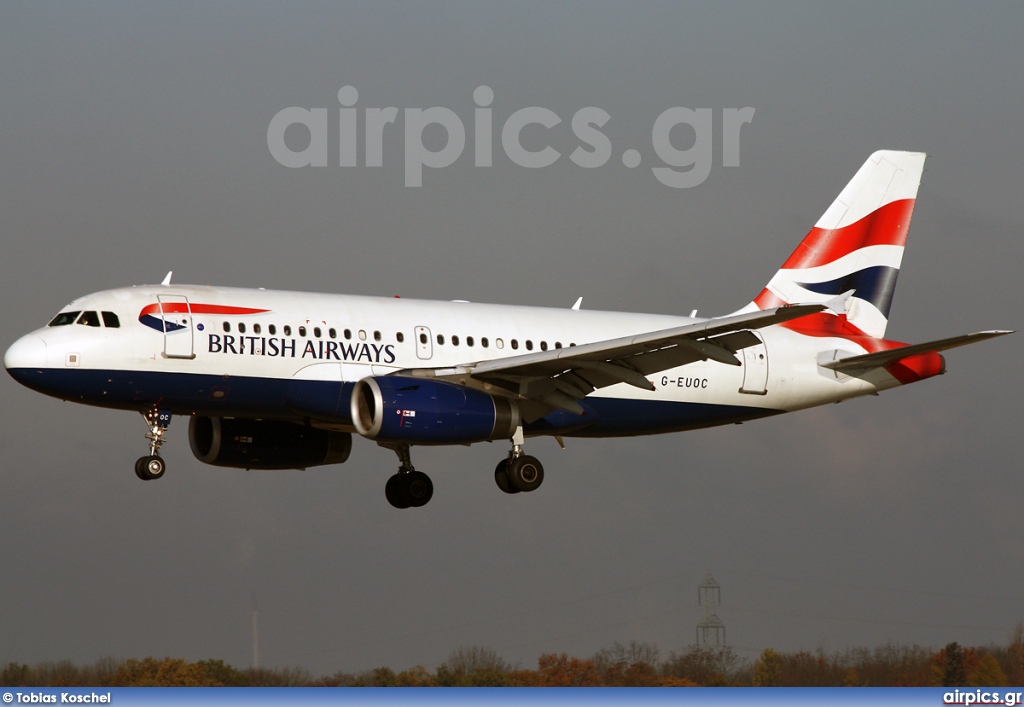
[265,444]
[423,411]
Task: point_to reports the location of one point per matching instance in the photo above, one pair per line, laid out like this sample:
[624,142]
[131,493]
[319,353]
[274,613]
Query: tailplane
[851,258]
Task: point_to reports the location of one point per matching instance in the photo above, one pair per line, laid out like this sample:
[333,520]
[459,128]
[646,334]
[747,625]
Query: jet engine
[265,444]
[423,411]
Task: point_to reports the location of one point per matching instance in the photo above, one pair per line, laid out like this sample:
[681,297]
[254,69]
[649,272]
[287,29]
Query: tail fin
[851,258]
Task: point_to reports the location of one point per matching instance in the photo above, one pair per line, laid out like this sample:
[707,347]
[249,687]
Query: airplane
[281,380]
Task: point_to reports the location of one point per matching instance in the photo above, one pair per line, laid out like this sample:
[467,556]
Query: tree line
[634,665]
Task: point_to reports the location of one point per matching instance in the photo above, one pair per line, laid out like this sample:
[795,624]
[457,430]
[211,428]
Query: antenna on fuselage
[167,280]
[576,307]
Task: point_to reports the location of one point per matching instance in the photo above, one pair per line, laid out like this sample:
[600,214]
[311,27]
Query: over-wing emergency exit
[279,380]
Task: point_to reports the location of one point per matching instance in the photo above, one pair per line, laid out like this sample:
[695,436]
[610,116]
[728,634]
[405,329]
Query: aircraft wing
[880,358]
[559,377]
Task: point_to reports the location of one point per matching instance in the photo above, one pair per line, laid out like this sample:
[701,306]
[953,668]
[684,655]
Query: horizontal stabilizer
[880,358]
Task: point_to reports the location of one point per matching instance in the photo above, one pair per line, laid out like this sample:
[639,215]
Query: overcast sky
[133,141]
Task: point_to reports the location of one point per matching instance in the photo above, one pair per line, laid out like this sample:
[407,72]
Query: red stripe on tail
[887,225]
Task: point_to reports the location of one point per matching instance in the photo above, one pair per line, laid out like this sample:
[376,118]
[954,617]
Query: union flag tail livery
[852,255]
[282,380]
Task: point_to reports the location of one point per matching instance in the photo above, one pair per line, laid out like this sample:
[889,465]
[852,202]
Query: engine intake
[422,411]
[265,444]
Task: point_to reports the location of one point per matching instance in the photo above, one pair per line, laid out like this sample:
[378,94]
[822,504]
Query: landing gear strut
[153,466]
[519,472]
[408,488]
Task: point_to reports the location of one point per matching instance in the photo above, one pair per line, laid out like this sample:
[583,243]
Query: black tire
[395,492]
[418,489]
[149,468]
[501,477]
[525,473]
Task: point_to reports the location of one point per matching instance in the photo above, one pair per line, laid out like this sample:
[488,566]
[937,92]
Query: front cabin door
[176,313]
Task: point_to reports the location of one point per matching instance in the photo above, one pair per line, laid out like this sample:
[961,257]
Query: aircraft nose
[27,352]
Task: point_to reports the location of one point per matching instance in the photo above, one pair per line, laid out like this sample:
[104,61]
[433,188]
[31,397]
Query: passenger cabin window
[401,337]
[272,329]
[110,320]
[469,341]
[256,329]
[332,333]
[89,319]
[241,327]
[65,318]
[484,342]
[287,329]
[455,339]
[515,343]
[316,332]
[302,331]
[440,338]
[227,326]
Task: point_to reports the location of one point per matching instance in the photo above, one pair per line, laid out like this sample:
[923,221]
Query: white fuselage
[289,336]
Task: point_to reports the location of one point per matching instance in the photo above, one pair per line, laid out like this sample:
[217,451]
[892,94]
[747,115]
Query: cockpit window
[89,319]
[110,320]
[65,318]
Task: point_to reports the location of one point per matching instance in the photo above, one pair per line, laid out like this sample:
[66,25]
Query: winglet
[167,280]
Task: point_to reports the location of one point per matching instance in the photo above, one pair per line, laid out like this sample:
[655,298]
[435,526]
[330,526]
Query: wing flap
[560,378]
[632,350]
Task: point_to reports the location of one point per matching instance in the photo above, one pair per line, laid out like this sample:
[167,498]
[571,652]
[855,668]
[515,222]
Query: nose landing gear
[153,466]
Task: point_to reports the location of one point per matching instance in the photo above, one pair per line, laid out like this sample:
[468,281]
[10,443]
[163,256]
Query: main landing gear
[412,489]
[408,488]
[519,472]
[153,466]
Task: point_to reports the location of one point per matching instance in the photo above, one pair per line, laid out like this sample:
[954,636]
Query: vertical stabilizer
[851,258]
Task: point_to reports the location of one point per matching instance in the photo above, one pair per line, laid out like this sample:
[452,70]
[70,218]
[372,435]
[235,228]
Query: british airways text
[294,348]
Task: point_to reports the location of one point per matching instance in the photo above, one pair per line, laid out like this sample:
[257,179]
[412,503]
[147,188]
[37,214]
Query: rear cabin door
[176,313]
[755,369]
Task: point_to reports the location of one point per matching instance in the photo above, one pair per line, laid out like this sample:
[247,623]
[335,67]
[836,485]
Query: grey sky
[133,142]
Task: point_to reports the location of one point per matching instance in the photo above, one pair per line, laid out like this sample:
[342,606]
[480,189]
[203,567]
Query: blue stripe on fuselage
[181,393]
[243,396]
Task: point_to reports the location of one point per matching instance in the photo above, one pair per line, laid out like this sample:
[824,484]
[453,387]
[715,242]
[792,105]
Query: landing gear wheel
[149,468]
[411,489]
[501,477]
[418,489]
[525,473]
[395,492]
